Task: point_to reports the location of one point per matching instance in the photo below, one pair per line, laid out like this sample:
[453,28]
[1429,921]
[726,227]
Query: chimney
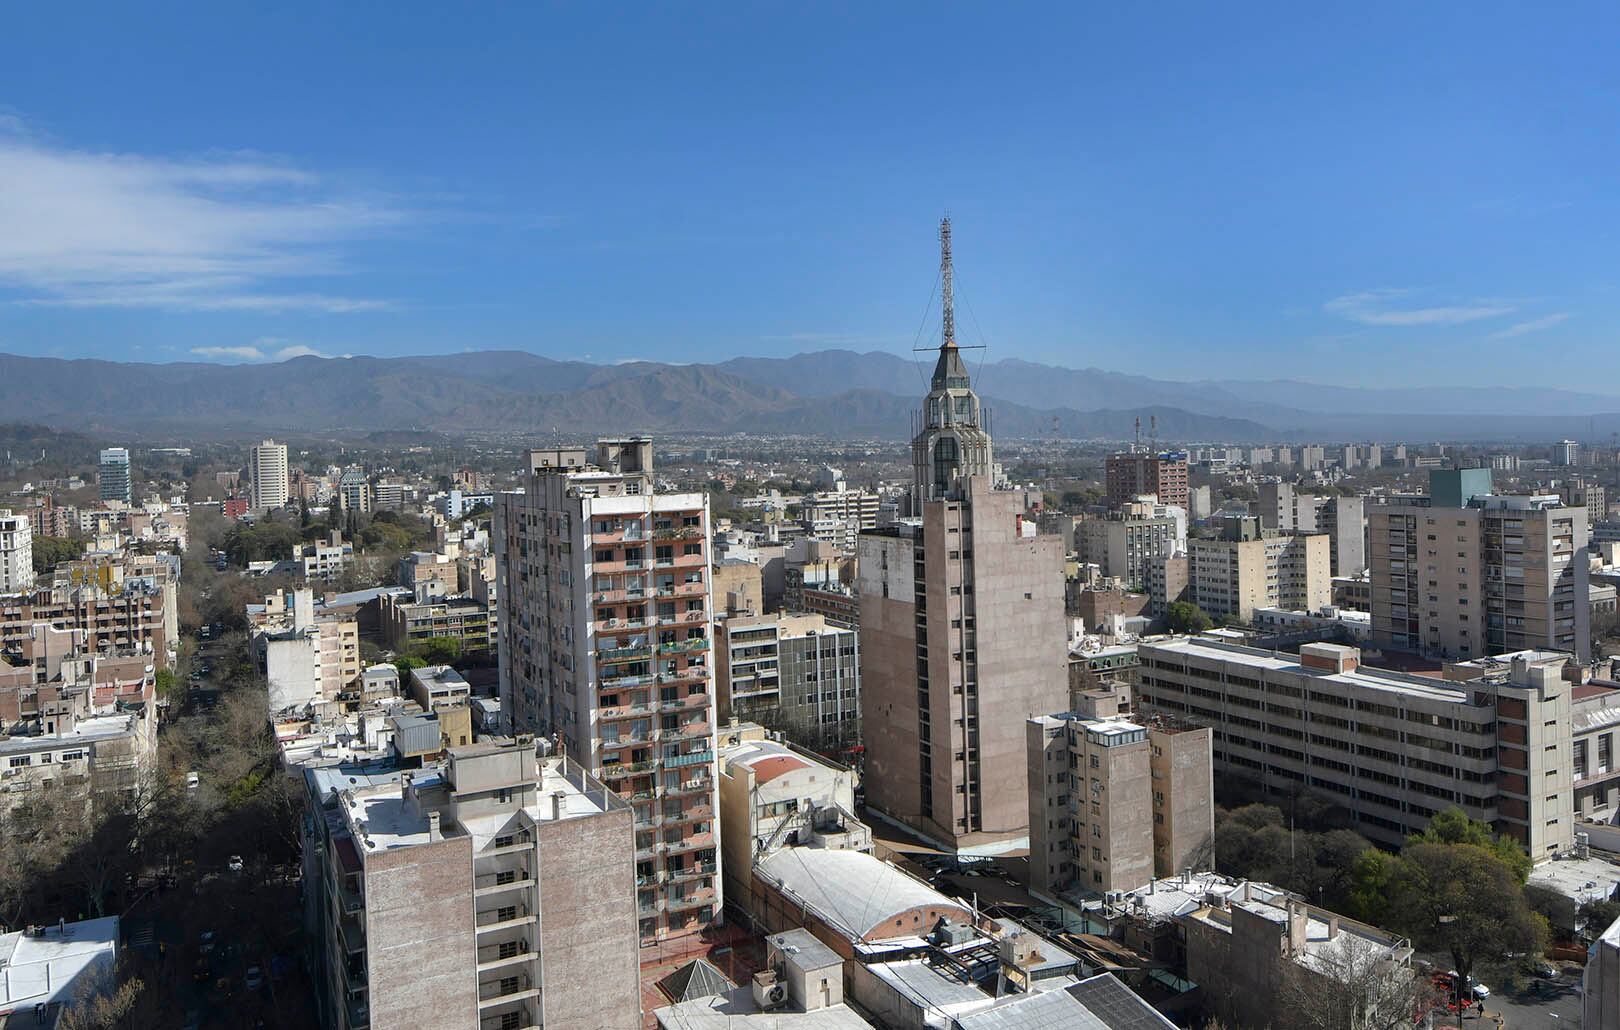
[1333,926]
[557,803]
[433,827]
[1299,919]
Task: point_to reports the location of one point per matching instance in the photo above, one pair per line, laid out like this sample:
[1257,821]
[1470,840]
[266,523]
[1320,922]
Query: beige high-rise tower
[962,631]
[605,644]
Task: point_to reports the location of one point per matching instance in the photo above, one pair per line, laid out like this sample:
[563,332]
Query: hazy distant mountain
[831,393]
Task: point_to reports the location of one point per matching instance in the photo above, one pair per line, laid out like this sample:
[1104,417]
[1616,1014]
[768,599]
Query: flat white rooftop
[1360,677]
[49,967]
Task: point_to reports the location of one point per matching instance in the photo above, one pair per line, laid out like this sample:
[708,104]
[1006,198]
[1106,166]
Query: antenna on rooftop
[1153,433]
[947,299]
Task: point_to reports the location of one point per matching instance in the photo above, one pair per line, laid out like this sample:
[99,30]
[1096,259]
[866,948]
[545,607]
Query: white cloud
[1535,325]
[239,353]
[298,351]
[1381,308]
[217,233]
[267,348]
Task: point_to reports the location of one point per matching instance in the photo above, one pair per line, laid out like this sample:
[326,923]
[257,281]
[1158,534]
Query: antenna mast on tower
[946,299]
[1153,433]
[1137,445]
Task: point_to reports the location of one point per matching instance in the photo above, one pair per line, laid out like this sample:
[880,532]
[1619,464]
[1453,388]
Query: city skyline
[1251,187]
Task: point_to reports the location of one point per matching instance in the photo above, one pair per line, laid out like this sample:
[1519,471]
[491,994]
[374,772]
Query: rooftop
[47,966]
[1360,677]
[1581,879]
[85,731]
[851,891]
[736,1009]
[768,758]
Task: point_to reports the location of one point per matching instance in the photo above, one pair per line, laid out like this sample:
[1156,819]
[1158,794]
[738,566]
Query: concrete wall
[588,929]
[1600,985]
[420,937]
[1183,799]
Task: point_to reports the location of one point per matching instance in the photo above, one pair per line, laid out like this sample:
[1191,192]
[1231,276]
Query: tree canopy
[1185,617]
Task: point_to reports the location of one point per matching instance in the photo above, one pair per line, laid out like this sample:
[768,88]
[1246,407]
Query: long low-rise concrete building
[1493,738]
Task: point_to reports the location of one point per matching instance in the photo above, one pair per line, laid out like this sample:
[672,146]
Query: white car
[1475,988]
[235,864]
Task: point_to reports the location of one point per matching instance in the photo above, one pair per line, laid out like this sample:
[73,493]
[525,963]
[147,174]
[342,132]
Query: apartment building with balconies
[605,622]
[1464,573]
[1250,567]
[1114,803]
[792,673]
[16,552]
[493,891]
[1492,738]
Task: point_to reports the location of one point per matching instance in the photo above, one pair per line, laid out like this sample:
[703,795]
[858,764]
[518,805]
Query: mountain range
[828,393]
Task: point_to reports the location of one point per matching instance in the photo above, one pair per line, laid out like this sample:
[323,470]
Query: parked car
[254,978]
[192,779]
[206,941]
[235,863]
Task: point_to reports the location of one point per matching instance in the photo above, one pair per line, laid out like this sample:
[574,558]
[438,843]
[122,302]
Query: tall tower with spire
[951,439]
[963,636]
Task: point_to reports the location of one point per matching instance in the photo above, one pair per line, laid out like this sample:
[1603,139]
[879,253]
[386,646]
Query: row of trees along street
[1456,890]
[157,852]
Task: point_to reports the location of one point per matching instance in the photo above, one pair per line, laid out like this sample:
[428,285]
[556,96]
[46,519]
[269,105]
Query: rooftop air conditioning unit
[769,990]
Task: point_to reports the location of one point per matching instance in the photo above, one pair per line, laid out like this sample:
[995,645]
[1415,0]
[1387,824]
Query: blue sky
[1383,193]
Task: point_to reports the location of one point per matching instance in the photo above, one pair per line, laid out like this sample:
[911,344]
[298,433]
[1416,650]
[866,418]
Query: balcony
[619,770]
[692,843]
[648,852]
[514,987]
[527,1020]
[678,533]
[503,917]
[495,883]
[630,711]
[685,646]
[697,899]
[618,743]
[690,674]
[694,786]
[616,625]
[494,956]
[624,654]
[624,682]
[693,871]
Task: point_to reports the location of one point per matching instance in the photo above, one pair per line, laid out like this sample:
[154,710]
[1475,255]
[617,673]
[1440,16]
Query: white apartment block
[1249,569]
[604,621]
[1127,543]
[1493,738]
[267,472]
[16,553]
[307,659]
[1501,573]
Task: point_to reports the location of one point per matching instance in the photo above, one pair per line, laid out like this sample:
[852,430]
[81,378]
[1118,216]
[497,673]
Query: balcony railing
[493,953]
[501,881]
[504,987]
[684,646]
[490,917]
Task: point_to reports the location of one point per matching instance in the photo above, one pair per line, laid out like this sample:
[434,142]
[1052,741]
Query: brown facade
[962,641]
